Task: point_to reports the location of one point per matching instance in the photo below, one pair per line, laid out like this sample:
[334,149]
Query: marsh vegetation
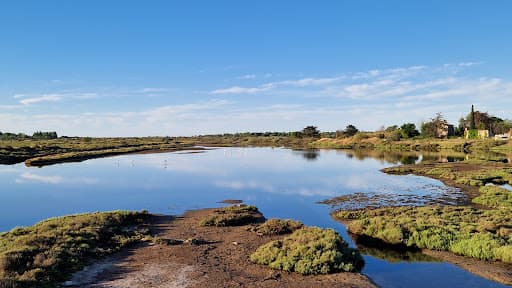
[233,216]
[310,250]
[48,252]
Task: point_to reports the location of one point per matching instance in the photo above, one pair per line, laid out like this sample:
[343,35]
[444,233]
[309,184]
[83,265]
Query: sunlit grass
[48,252]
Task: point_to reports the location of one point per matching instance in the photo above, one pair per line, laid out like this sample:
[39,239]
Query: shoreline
[220,260]
[469,177]
[47,152]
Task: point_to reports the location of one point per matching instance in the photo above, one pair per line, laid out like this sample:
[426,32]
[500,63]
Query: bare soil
[220,259]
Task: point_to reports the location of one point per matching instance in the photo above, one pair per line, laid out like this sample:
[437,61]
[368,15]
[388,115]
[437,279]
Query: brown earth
[220,259]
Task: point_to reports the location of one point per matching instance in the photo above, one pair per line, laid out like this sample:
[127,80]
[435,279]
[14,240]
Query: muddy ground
[222,260]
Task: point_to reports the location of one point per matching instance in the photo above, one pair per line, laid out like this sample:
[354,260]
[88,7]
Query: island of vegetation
[202,247]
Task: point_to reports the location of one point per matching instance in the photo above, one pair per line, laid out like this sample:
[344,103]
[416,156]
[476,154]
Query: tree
[408,130]
[350,130]
[435,127]
[472,123]
[391,128]
[311,131]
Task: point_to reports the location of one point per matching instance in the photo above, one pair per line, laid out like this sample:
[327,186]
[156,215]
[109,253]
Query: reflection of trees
[308,154]
[406,157]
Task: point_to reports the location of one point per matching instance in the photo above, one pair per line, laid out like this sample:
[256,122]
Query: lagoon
[283,183]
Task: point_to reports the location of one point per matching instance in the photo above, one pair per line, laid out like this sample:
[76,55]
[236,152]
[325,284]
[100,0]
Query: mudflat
[200,257]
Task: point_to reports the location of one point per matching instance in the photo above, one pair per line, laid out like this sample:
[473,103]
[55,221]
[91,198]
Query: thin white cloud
[31,99]
[241,90]
[44,98]
[368,100]
[155,90]
[305,82]
[247,77]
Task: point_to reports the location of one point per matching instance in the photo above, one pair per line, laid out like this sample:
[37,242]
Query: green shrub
[478,245]
[479,233]
[233,216]
[309,251]
[277,227]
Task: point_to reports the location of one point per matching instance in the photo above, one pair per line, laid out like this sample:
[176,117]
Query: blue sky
[137,68]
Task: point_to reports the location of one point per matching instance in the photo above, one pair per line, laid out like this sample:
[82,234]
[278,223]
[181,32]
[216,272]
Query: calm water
[282,183]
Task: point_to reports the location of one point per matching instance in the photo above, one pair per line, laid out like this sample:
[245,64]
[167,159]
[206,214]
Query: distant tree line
[39,135]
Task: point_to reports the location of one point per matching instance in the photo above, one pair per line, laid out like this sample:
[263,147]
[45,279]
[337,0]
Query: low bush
[277,227]
[233,216]
[479,233]
[310,251]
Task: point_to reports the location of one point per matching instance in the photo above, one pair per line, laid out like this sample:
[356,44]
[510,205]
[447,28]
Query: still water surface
[283,183]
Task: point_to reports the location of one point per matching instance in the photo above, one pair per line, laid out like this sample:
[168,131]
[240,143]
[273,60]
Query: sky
[144,68]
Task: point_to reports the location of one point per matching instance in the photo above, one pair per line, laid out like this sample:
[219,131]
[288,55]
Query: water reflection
[308,154]
[281,182]
[392,254]
[406,157]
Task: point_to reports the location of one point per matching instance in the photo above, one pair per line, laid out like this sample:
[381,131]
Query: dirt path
[221,262]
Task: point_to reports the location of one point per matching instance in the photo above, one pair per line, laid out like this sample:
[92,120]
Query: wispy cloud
[44,98]
[304,82]
[241,90]
[31,99]
[366,99]
[247,77]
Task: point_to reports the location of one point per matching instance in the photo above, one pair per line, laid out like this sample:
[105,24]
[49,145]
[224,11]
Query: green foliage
[394,135]
[310,251]
[478,245]
[408,130]
[350,130]
[310,131]
[494,196]
[44,135]
[472,134]
[432,128]
[277,227]
[478,233]
[232,216]
[486,173]
[48,252]
[472,122]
